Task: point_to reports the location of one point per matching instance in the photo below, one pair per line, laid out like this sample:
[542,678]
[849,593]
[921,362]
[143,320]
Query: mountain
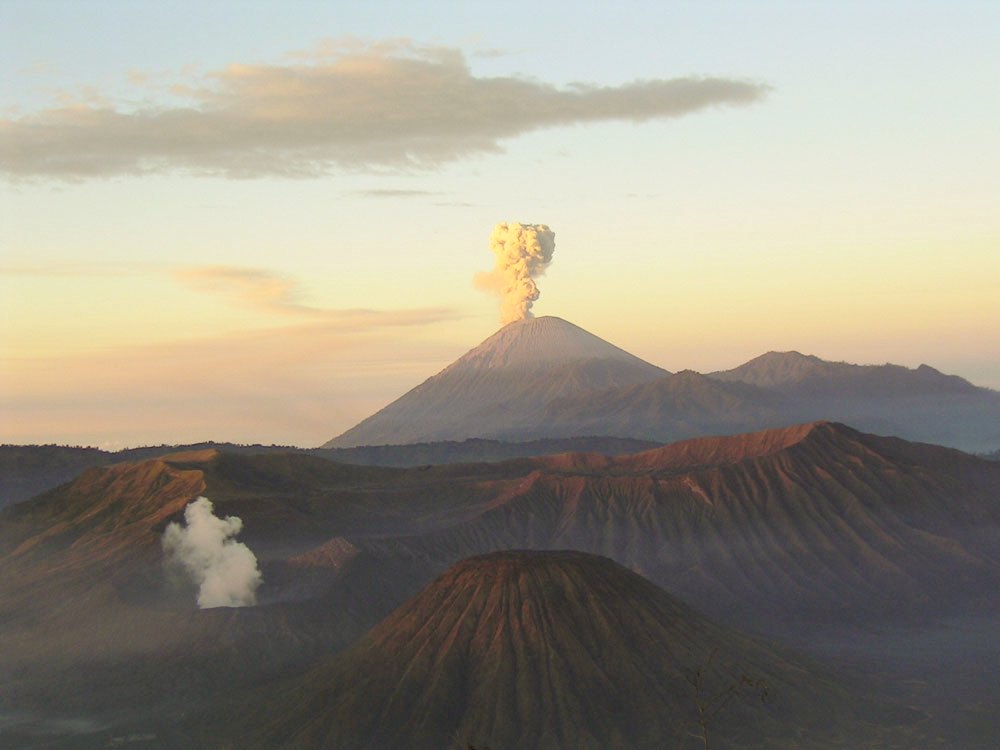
[477,450]
[816,518]
[801,531]
[548,650]
[674,407]
[787,388]
[29,470]
[816,522]
[498,389]
[546,378]
[792,371]
[918,404]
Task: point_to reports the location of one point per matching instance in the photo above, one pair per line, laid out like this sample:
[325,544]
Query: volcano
[545,378]
[553,649]
[499,388]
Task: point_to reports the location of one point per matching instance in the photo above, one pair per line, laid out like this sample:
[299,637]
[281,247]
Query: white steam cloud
[224,570]
[523,252]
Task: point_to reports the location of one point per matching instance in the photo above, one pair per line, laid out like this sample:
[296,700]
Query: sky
[259,222]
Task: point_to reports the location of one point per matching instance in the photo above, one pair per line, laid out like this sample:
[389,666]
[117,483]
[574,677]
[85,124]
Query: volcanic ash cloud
[523,252]
[225,570]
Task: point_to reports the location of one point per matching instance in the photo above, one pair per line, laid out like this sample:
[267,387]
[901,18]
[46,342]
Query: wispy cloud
[271,292]
[457,204]
[297,384]
[311,375]
[394,193]
[254,287]
[76,269]
[345,105]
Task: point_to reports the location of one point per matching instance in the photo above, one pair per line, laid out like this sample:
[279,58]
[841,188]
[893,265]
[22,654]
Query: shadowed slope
[669,408]
[551,650]
[795,371]
[817,521]
[917,404]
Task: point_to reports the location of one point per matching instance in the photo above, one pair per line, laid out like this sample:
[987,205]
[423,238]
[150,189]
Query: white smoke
[523,252]
[224,570]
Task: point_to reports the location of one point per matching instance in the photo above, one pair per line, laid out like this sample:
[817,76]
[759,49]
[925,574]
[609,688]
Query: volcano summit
[500,388]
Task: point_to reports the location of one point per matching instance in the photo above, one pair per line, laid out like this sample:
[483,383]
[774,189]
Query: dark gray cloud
[387,106]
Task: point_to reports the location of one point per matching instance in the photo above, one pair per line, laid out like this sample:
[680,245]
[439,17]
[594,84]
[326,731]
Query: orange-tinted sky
[259,222]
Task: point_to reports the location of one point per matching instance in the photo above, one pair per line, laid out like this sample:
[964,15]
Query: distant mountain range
[29,470]
[546,378]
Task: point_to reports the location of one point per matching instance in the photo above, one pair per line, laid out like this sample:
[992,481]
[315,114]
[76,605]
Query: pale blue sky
[849,213]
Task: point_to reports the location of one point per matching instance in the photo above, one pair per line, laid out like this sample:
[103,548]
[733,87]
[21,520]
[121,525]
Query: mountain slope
[30,470]
[816,518]
[793,371]
[817,521]
[918,404]
[779,389]
[546,650]
[670,408]
[497,389]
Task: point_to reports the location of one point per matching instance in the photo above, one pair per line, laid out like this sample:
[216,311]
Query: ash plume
[523,252]
[225,570]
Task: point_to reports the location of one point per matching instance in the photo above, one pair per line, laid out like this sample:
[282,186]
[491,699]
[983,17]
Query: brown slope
[100,627]
[817,521]
[90,529]
[545,650]
[675,407]
[713,451]
[99,536]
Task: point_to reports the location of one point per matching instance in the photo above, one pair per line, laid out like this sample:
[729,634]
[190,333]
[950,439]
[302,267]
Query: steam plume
[224,569]
[523,252]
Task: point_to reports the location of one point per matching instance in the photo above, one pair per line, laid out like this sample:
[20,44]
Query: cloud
[271,292]
[346,105]
[254,287]
[224,570]
[394,193]
[77,269]
[299,384]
